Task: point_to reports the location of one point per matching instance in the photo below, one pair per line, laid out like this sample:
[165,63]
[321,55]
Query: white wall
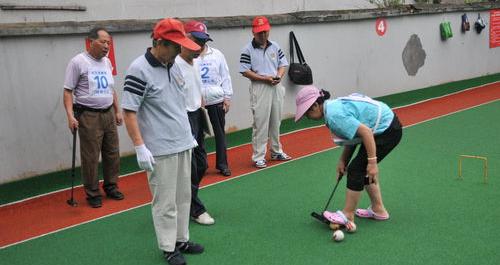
[344,56]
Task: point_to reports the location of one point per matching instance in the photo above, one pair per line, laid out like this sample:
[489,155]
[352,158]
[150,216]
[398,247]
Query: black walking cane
[72,200]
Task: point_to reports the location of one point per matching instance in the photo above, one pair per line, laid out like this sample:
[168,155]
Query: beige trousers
[266,103]
[170,185]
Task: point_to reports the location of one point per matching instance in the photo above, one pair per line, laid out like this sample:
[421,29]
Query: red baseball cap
[173,30]
[197,30]
[259,24]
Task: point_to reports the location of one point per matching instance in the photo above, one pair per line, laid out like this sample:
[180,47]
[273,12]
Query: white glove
[144,158]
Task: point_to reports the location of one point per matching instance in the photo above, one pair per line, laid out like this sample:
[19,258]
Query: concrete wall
[147,9]
[345,56]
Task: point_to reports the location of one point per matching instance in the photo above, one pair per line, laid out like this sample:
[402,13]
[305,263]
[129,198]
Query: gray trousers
[170,185]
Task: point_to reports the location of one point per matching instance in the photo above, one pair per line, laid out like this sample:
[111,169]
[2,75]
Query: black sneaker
[189,247]
[174,258]
[94,202]
[115,194]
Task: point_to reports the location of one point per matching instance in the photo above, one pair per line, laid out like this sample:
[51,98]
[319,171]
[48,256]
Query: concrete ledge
[303,17]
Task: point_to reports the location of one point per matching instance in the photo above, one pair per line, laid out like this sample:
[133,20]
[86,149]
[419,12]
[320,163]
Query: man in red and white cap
[217,89]
[263,62]
[157,123]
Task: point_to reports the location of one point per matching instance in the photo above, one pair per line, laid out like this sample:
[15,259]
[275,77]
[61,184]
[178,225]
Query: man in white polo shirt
[157,123]
[95,113]
[263,62]
[191,75]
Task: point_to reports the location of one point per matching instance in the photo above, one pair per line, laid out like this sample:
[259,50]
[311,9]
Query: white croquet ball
[350,227]
[338,235]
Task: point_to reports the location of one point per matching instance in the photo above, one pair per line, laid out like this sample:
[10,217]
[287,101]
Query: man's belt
[80,108]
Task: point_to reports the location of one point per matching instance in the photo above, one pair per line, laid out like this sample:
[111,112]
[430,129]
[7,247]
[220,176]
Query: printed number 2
[204,72]
[102,82]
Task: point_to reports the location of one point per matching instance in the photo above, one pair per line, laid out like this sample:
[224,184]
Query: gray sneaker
[280,156]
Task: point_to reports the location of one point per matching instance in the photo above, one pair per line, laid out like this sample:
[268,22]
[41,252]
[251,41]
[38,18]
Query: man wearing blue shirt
[263,62]
[157,122]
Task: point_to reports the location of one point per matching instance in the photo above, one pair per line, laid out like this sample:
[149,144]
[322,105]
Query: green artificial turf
[263,217]
[405,98]
[41,184]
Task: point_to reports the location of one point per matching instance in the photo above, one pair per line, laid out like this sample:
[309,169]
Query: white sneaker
[260,164]
[204,219]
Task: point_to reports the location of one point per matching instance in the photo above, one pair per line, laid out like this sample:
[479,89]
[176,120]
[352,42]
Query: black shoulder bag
[300,73]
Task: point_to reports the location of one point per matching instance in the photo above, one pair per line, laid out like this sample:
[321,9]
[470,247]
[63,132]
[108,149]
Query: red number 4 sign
[381,26]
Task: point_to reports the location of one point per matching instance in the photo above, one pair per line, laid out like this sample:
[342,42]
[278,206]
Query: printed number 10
[102,82]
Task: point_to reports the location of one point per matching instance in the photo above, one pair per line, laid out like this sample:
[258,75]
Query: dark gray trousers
[198,161]
[217,117]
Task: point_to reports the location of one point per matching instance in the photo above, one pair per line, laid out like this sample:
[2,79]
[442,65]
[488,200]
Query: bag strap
[291,38]
[294,42]
[299,52]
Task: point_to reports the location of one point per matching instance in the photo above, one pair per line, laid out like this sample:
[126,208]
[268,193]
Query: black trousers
[385,143]
[217,117]
[198,161]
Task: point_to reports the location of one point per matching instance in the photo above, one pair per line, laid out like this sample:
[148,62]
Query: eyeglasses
[175,46]
[200,42]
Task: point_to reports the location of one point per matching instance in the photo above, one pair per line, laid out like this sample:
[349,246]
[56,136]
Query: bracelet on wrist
[372,158]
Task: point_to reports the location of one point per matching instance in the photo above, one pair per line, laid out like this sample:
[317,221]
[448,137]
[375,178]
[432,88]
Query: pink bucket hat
[305,99]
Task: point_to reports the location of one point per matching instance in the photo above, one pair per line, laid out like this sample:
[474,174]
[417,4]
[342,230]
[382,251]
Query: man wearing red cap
[157,123]
[263,62]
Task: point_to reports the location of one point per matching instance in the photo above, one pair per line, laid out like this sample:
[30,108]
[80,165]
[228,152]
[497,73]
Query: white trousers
[266,103]
[170,185]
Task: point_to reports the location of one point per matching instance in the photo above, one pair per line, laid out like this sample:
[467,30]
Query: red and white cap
[197,29]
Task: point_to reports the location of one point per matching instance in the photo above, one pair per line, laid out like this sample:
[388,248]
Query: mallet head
[320,217]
